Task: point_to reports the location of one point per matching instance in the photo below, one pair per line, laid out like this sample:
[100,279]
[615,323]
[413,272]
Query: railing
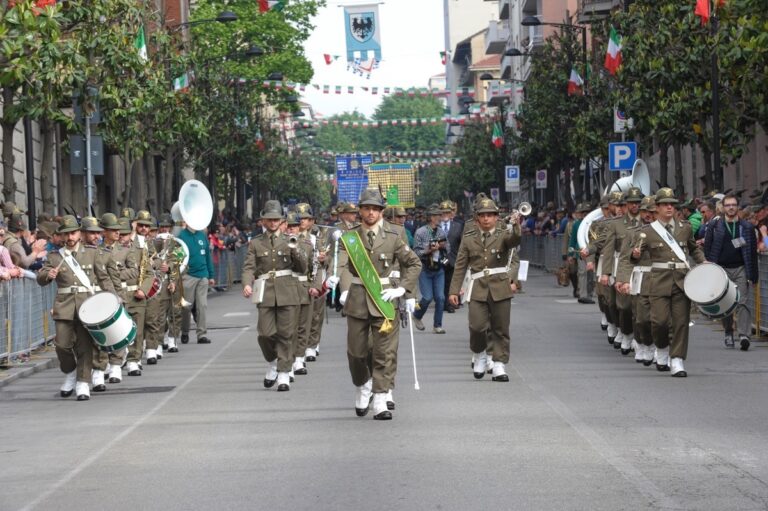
[25,308]
[228,266]
[545,252]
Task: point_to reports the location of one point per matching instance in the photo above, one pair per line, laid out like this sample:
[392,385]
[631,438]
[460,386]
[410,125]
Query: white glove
[336,234]
[410,305]
[331,282]
[390,294]
[343,297]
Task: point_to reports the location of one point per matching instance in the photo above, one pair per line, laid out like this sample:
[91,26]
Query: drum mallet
[413,352]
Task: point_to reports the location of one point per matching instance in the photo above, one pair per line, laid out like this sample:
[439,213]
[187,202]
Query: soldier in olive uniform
[370,339]
[318,266]
[630,281]
[170,294]
[303,320]
[74,346]
[615,233]
[669,242]
[268,276]
[484,251]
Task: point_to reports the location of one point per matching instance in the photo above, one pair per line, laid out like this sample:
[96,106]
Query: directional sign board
[621,155]
[512,183]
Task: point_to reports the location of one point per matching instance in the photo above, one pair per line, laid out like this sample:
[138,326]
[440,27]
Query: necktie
[371,236]
[485,238]
[445,227]
[272,239]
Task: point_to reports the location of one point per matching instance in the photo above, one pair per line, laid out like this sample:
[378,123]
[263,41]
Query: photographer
[431,245]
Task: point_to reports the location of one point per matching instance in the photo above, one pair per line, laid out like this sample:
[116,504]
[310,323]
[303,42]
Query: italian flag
[613,57]
[181,84]
[141,45]
[497,137]
[271,5]
[702,9]
[575,83]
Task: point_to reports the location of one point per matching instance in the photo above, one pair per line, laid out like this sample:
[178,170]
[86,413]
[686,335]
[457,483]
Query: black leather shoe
[611,339]
[386,415]
[616,345]
[301,371]
[114,380]
[744,344]
[83,397]
[151,361]
[65,393]
[625,352]
[479,376]
[136,372]
[173,350]
[586,300]
[603,327]
[283,387]
[165,347]
[501,377]
[361,412]
[184,338]
[661,368]
[203,340]
[647,363]
[99,388]
[310,358]
[268,384]
[680,374]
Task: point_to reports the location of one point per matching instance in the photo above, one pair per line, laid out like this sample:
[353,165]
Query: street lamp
[223,17]
[533,21]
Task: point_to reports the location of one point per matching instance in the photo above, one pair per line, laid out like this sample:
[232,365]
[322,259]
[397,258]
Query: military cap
[153,225]
[617,198]
[90,224]
[68,224]
[584,207]
[634,194]
[125,225]
[605,201]
[128,213]
[109,221]
[166,220]
[349,208]
[648,203]
[666,196]
[371,197]
[486,206]
[47,228]
[272,210]
[399,211]
[16,223]
[435,209]
[44,217]
[293,218]
[446,206]
[143,217]
[10,208]
[304,210]
[338,208]
[689,204]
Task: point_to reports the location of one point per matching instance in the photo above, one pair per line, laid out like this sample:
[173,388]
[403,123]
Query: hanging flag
[181,84]
[497,138]
[575,83]
[350,89]
[374,90]
[326,89]
[613,57]
[271,5]
[443,59]
[363,32]
[141,45]
[702,10]
[328,58]
[338,89]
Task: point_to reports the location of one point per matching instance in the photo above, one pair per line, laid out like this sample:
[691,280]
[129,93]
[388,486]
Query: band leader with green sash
[369,277]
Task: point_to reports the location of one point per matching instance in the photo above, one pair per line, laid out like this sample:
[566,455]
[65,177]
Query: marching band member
[303,319]
[268,277]
[77,275]
[319,266]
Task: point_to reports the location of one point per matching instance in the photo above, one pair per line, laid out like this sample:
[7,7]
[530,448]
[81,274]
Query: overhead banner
[363,32]
[397,181]
[351,176]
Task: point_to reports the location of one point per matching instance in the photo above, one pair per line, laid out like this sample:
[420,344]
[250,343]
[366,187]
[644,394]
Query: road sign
[621,123]
[495,192]
[77,155]
[621,155]
[512,183]
[541,179]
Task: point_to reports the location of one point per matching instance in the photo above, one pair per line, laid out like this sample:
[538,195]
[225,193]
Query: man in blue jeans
[431,245]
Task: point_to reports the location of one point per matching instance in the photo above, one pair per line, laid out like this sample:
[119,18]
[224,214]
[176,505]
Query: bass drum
[708,286]
[109,324]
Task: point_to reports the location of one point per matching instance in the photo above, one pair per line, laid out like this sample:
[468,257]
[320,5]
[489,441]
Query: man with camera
[431,245]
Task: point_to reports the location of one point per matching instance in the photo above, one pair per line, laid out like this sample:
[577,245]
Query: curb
[38,362]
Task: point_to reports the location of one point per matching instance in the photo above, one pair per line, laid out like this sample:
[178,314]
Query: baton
[413,352]
[335,268]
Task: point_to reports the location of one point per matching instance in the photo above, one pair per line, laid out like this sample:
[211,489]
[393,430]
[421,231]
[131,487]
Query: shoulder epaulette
[470,232]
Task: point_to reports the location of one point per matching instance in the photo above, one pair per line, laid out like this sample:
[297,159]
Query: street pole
[715,82]
[30,166]
[584,57]
[448,75]
[88,170]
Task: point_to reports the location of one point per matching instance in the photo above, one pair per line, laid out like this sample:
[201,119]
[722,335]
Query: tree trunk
[679,185]
[664,163]
[151,178]
[128,179]
[8,126]
[709,173]
[47,137]
[139,185]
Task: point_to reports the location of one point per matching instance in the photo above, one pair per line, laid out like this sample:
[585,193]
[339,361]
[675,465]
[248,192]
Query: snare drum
[110,325]
[708,286]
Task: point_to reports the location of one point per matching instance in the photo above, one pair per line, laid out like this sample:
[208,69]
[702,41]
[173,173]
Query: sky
[411,42]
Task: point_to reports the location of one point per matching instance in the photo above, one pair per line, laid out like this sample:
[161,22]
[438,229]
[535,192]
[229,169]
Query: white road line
[632,474]
[233,314]
[567,301]
[127,431]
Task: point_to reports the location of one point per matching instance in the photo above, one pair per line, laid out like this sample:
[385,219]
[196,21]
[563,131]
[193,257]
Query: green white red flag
[613,57]
[497,137]
[575,83]
[271,5]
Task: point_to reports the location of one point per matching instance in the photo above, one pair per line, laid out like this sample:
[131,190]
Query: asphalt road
[577,427]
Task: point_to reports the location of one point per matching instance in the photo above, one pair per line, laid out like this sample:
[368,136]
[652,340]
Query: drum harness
[79,273]
[670,241]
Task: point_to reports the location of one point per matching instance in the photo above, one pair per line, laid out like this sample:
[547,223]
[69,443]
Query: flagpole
[715,84]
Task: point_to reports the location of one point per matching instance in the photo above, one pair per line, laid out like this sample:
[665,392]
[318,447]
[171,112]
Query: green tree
[338,139]
[408,138]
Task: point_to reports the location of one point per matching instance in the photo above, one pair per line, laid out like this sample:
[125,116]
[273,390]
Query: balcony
[496,38]
[504,9]
[591,11]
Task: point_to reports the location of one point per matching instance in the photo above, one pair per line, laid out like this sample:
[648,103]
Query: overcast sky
[411,42]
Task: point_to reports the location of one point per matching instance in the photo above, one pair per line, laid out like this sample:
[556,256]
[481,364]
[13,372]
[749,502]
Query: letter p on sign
[622,155]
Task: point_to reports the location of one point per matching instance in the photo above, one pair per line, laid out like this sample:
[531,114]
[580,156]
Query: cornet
[524,209]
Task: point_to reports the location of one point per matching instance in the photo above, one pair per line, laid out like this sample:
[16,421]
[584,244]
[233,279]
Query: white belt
[394,275]
[275,274]
[383,280]
[642,269]
[76,289]
[487,272]
[130,288]
[302,278]
[636,279]
[670,266]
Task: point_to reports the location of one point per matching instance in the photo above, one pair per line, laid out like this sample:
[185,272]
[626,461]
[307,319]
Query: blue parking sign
[622,155]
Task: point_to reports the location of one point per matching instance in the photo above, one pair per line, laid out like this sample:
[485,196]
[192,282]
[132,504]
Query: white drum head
[98,308]
[706,283]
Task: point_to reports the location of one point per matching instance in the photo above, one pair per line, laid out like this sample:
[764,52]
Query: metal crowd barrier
[545,252]
[25,307]
[228,266]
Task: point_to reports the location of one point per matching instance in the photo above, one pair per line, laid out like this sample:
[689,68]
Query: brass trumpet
[523,210]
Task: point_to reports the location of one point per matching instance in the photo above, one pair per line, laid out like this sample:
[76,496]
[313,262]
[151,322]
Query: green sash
[368,276]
